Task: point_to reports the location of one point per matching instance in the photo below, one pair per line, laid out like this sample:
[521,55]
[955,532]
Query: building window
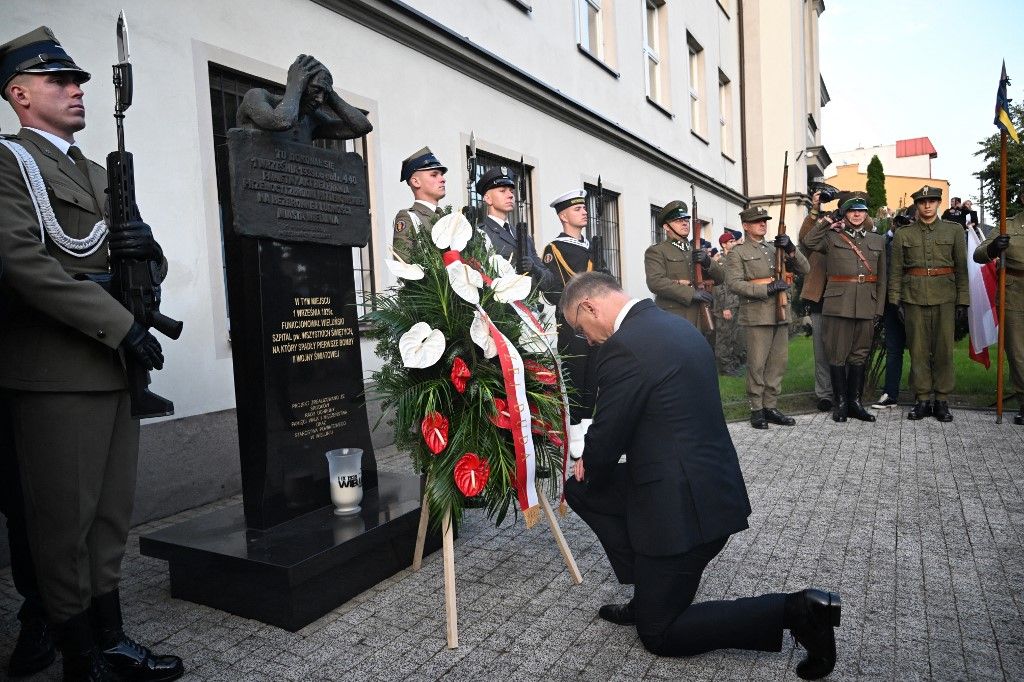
[595,31]
[655,53]
[812,131]
[725,112]
[698,98]
[657,234]
[227,88]
[523,211]
[607,225]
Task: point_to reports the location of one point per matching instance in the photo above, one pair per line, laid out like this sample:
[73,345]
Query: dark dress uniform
[854,296]
[1013,336]
[928,279]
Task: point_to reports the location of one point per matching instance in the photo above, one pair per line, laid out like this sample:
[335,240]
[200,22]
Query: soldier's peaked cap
[854,204]
[674,210]
[927,192]
[495,177]
[424,159]
[570,198]
[38,51]
[754,214]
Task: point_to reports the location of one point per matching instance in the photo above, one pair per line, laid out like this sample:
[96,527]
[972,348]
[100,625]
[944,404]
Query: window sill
[523,5]
[725,11]
[660,108]
[699,137]
[586,53]
[728,158]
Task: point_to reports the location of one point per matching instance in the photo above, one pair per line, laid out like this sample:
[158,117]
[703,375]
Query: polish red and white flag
[983,318]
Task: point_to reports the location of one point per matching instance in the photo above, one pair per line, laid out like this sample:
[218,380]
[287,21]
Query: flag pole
[1002,281]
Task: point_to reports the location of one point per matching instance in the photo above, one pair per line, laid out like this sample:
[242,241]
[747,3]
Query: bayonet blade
[472,145]
[123,54]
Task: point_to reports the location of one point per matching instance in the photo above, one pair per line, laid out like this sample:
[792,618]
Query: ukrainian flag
[1002,119]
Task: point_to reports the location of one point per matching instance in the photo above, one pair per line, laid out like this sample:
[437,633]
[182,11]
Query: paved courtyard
[918,525]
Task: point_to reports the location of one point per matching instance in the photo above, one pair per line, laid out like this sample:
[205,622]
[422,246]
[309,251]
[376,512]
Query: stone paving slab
[919,526]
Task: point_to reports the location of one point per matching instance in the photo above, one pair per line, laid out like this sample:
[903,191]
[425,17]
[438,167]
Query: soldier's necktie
[83,166]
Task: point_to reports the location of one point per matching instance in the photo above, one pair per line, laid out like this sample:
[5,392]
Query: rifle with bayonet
[468,210]
[596,240]
[781,299]
[135,282]
[698,268]
[522,229]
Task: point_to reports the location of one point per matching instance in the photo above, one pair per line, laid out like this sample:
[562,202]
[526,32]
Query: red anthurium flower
[471,472]
[502,418]
[540,372]
[460,374]
[556,438]
[435,431]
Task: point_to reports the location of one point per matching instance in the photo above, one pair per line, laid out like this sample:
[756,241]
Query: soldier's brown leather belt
[853,278]
[928,272]
[1014,272]
[761,280]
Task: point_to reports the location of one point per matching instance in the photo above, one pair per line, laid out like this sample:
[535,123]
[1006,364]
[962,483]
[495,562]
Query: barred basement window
[523,211]
[607,226]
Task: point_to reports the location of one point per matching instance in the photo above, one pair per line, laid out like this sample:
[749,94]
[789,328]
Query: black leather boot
[1019,419]
[838,375]
[34,651]
[81,658]
[941,411]
[773,416]
[920,410]
[812,615]
[855,388]
[127,658]
[757,419]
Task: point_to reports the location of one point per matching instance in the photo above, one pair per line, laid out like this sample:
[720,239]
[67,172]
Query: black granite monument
[296,211]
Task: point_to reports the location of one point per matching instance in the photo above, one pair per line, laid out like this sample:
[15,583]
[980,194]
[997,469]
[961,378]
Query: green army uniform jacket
[407,222]
[939,245]
[1014,255]
[666,262]
[61,333]
[754,260]
[856,300]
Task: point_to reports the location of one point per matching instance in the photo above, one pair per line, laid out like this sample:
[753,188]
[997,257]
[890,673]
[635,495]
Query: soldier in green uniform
[853,301]
[928,283]
[730,342]
[750,272]
[670,265]
[1011,248]
[425,176]
[61,366]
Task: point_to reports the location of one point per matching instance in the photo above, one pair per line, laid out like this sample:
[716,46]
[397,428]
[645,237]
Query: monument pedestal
[293,573]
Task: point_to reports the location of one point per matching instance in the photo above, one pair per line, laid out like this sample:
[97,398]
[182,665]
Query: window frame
[607,226]
[523,211]
[697,88]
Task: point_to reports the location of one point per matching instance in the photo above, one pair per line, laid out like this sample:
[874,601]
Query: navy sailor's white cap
[570,198]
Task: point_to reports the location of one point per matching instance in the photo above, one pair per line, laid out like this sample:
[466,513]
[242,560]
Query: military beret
[754,214]
[424,159]
[674,210]
[38,51]
[729,236]
[927,192]
[854,204]
[495,177]
[570,198]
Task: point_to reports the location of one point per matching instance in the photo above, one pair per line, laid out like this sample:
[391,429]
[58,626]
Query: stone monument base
[293,573]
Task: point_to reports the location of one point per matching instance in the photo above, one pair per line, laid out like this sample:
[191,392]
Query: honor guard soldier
[750,272]
[669,266]
[1010,247]
[497,188]
[61,366]
[928,281]
[730,344]
[425,176]
[853,301]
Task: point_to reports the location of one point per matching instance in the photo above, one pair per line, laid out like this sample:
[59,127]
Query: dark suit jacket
[60,333]
[505,246]
[658,402]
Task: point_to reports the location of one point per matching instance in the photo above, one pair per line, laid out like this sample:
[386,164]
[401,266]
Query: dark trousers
[895,343]
[12,506]
[668,622]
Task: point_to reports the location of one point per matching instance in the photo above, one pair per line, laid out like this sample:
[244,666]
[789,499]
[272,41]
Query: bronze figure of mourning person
[310,108]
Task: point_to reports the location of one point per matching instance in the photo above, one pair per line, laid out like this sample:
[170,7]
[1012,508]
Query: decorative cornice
[411,28]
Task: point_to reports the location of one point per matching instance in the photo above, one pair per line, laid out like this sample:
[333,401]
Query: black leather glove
[901,313]
[777,286]
[143,346]
[783,242]
[961,315]
[703,297]
[525,265]
[136,243]
[701,257]
[998,245]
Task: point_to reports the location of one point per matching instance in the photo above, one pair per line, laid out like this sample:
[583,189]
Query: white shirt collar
[500,223]
[58,142]
[432,207]
[622,313]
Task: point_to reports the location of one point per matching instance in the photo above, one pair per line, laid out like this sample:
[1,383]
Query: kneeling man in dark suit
[666,513]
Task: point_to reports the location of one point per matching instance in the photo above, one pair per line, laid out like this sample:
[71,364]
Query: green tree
[876,186]
[989,175]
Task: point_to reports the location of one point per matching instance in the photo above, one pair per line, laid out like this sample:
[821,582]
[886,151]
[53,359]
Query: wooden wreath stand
[448,552]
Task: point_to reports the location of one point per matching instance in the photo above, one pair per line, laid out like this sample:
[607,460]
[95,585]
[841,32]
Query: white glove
[576,436]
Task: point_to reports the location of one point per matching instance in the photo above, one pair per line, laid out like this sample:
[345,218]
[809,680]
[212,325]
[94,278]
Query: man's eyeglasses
[578,330]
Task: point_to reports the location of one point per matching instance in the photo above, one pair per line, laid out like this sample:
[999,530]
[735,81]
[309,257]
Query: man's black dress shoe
[757,419]
[824,405]
[773,416]
[620,614]
[128,659]
[941,411]
[811,616]
[34,650]
[920,410]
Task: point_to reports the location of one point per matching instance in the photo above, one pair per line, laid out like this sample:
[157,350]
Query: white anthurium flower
[452,231]
[421,346]
[501,265]
[465,281]
[512,287]
[402,270]
[480,332]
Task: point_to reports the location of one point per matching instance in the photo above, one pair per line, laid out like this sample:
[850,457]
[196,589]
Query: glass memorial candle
[346,479]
